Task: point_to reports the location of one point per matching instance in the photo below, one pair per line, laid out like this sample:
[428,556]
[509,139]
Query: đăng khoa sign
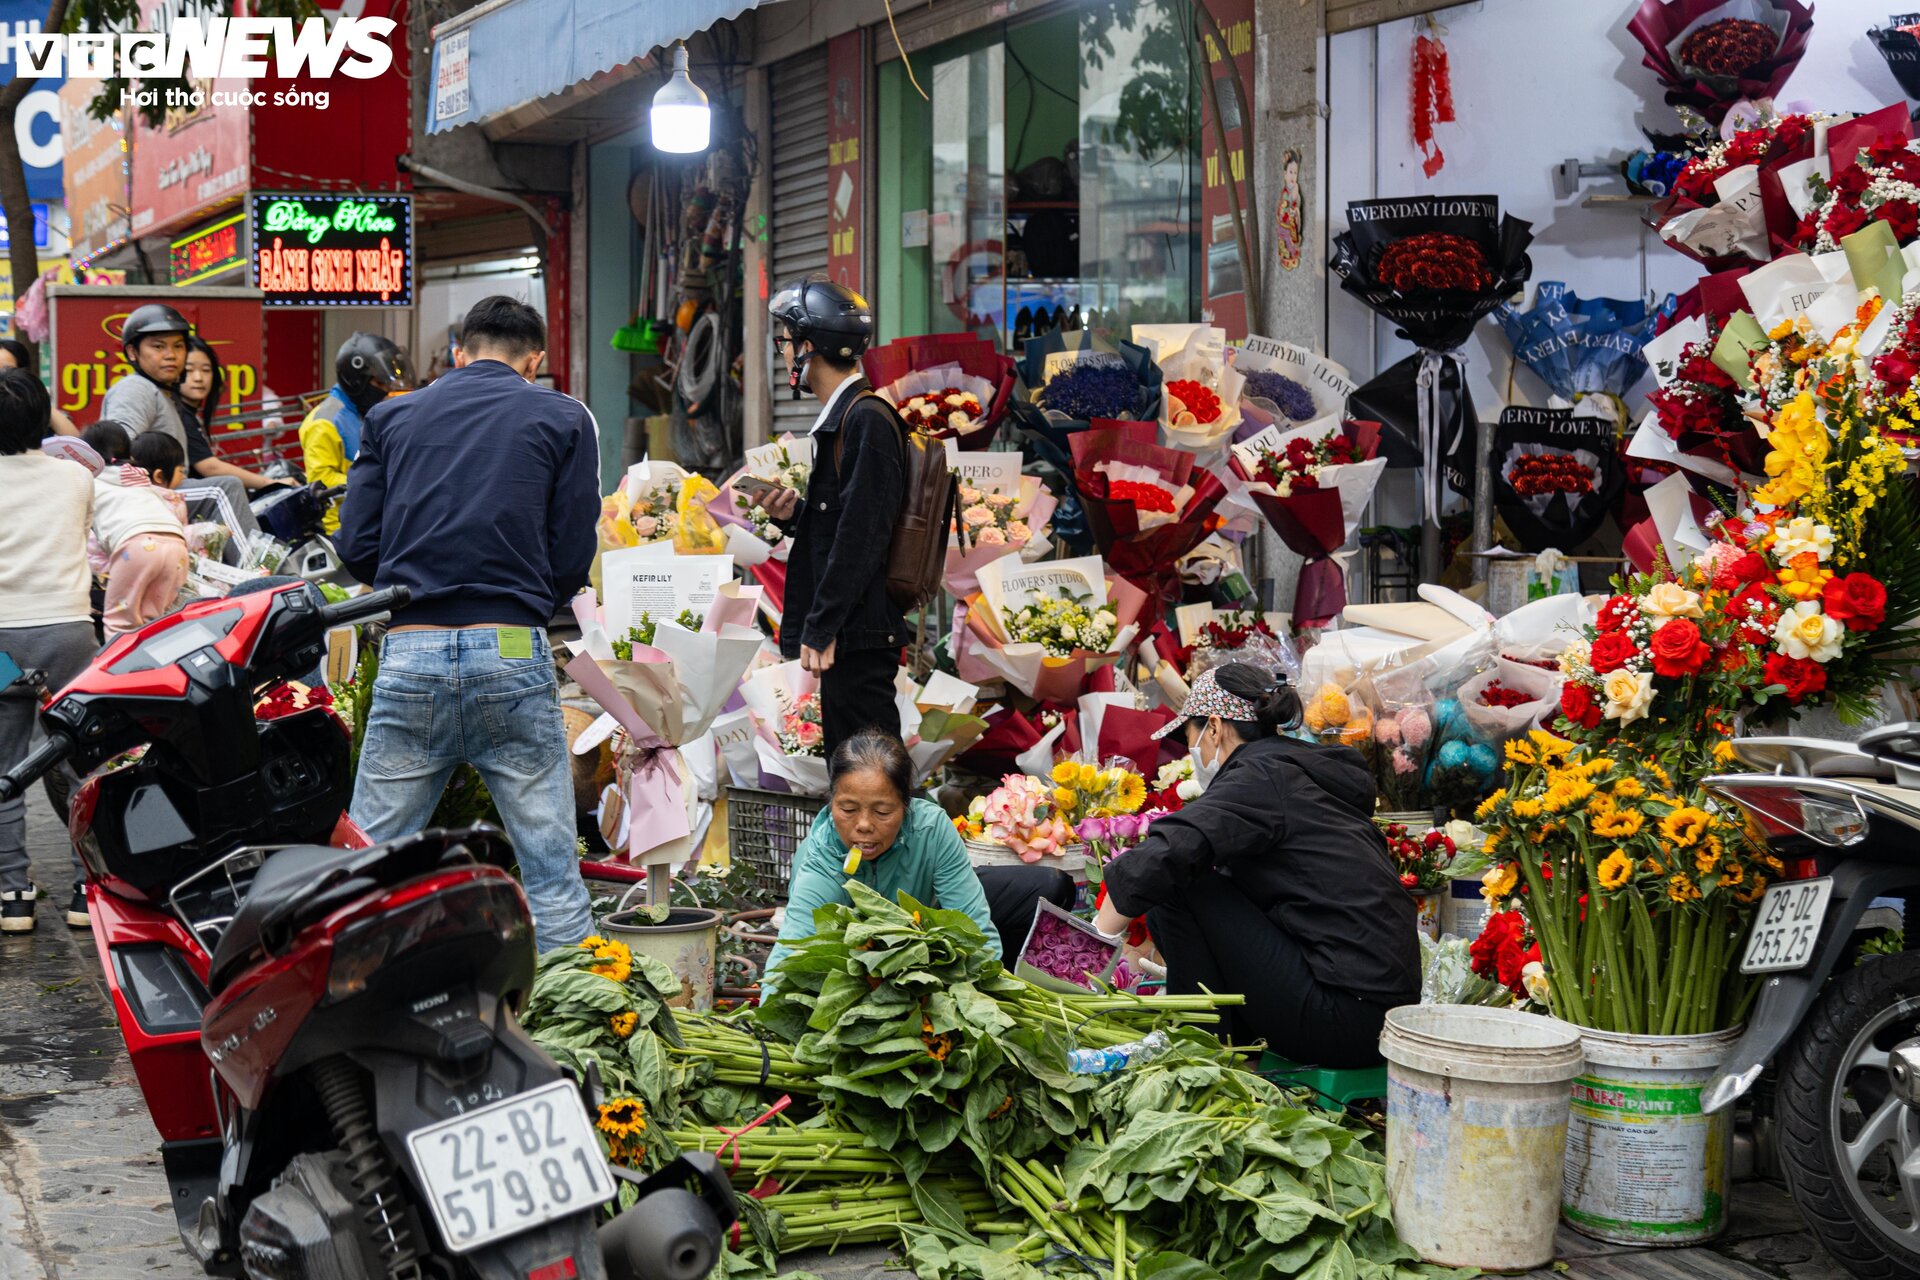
[332,250]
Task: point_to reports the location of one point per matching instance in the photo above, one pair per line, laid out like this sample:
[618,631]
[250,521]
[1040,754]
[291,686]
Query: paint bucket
[1644,1164]
[685,944]
[1476,1132]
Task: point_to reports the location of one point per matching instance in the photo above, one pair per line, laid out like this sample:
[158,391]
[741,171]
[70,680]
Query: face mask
[1202,771]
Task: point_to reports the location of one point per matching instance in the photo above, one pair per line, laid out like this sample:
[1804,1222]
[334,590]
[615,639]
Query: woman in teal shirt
[906,844]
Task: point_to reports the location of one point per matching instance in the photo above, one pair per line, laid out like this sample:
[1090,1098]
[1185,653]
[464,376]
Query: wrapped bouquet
[1285,385]
[1200,403]
[1148,504]
[1711,54]
[1071,382]
[1435,266]
[1044,627]
[1002,513]
[950,385]
[1312,484]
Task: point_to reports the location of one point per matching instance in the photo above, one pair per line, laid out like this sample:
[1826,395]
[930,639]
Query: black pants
[1014,894]
[857,693]
[1215,937]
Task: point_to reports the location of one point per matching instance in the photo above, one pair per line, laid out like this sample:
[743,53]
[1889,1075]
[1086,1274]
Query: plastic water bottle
[1101,1062]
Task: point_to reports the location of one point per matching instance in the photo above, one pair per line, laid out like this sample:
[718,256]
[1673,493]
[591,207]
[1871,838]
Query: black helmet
[150,319]
[369,367]
[835,319]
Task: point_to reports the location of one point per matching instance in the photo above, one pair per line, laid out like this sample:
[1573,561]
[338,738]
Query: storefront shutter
[797,98]
[1349,15]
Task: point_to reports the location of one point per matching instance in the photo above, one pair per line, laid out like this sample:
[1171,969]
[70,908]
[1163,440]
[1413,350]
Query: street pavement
[83,1197]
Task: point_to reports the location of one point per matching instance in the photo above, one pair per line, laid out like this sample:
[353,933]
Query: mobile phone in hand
[755,490]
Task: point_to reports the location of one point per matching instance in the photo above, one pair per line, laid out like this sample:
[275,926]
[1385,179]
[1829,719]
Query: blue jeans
[447,697]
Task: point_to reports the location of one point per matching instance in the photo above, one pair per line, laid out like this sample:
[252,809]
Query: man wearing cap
[1274,882]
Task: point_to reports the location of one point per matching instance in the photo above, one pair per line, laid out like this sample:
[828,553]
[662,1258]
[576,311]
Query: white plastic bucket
[686,944]
[1477,1131]
[1644,1164]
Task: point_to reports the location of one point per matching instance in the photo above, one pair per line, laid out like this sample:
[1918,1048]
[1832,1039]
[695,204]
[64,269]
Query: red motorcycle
[324,1029]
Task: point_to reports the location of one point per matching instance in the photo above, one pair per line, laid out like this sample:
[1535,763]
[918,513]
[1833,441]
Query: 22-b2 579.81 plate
[510,1167]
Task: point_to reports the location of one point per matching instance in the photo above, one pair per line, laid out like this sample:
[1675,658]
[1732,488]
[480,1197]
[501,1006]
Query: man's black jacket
[837,567]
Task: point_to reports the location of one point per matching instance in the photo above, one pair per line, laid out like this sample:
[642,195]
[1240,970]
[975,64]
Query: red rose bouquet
[1875,182]
[1710,54]
[1200,404]
[932,368]
[1148,504]
[1312,487]
[1535,474]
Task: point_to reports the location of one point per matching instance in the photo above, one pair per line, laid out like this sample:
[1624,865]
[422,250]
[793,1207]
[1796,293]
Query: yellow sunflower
[1723,752]
[1499,881]
[1528,809]
[1548,746]
[1488,805]
[616,962]
[1681,889]
[1133,792]
[1686,825]
[1601,805]
[1615,870]
[1751,894]
[622,1117]
[1623,824]
[623,1023]
[1628,789]
[1519,752]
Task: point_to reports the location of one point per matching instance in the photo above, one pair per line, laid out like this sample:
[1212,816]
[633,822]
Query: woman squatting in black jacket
[1274,882]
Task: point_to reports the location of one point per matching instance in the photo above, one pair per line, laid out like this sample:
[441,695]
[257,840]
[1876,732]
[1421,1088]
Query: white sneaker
[16,910]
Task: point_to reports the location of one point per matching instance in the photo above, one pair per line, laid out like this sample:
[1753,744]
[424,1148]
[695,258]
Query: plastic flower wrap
[1899,43]
[1711,54]
[1509,698]
[1312,484]
[1043,628]
[1581,346]
[1063,953]
[949,364]
[1717,213]
[1434,266]
[1462,765]
[1071,381]
[1148,504]
[1424,860]
[1200,403]
[1875,171]
[1242,636]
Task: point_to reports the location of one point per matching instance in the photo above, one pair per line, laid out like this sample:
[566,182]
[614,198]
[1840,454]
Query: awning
[506,53]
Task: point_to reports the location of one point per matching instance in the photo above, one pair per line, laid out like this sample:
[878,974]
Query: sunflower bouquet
[1082,790]
[1637,890]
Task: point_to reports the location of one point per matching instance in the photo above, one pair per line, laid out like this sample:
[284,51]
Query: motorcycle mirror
[671,1234]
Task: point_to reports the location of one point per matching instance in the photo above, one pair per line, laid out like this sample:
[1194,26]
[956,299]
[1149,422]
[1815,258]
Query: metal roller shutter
[797,96]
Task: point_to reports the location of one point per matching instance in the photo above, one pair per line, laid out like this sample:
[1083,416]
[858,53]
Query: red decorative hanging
[1432,97]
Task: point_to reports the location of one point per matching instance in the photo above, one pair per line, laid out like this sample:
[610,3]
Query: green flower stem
[1649,953]
[1555,946]
[1618,979]
[1681,940]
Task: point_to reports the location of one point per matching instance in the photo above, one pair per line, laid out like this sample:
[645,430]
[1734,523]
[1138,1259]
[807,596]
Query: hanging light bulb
[681,120]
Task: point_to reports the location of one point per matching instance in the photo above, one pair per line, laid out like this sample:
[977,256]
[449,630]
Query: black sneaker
[77,917]
[16,910]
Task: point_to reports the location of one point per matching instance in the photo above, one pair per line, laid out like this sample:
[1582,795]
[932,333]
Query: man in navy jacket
[479,494]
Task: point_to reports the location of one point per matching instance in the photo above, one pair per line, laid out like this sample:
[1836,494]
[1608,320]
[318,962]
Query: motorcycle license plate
[510,1167]
[1787,926]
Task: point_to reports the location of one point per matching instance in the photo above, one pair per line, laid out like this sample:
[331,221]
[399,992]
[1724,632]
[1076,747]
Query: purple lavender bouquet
[1063,953]
[1290,398]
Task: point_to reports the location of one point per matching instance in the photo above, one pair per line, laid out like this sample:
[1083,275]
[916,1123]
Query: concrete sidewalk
[83,1196]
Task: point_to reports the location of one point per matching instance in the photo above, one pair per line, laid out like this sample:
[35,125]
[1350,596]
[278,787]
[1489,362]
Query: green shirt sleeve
[816,882]
[955,885]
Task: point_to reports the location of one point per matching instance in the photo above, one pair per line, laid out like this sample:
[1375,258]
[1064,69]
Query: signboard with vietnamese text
[1224,286]
[315,249]
[96,172]
[200,153]
[208,252]
[847,65]
[85,323]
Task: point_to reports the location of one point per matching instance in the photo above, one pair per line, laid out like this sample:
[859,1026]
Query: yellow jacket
[326,453]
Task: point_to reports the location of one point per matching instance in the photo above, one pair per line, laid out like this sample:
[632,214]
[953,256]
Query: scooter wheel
[1844,1125]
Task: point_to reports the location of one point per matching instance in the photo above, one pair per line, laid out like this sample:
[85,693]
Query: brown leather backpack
[928,508]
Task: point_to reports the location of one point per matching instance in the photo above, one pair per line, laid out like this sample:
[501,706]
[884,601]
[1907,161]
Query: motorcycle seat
[282,880]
